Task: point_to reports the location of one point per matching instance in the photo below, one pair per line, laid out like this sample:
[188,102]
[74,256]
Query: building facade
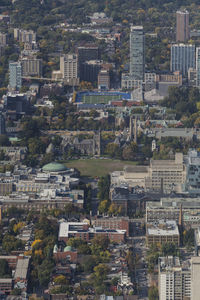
[182,26]
[86,53]
[83,231]
[31,67]
[174,279]
[24,36]
[137,52]
[69,68]
[195,275]
[182,58]
[15,75]
[103,80]
[3,39]
[197,67]
[162,232]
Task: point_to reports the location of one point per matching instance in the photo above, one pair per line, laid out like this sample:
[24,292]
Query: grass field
[97,167]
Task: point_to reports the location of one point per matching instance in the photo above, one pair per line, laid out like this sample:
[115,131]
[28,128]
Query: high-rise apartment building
[31,67]
[195,275]
[15,75]
[69,68]
[182,58]
[198,66]
[182,26]
[174,279]
[24,36]
[137,52]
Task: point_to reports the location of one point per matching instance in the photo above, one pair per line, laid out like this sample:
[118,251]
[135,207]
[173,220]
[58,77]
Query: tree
[113,209]
[113,150]
[103,206]
[75,242]
[10,243]
[61,279]
[44,272]
[99,243]
[169,249]
[188,237]
[153,293]
[89,263]
[4,140]
[5,271]
[99,276]
[104,187]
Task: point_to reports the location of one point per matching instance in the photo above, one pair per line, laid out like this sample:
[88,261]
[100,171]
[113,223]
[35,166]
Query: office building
[86,53]
[103,80]
[31,67]
[171,208]
[90,70]
[15,75]
[174,280]
[137,52]
[182,58]
[162,232]
[195,275]
[182,26]
[198,66]
[69,68]
[16,105]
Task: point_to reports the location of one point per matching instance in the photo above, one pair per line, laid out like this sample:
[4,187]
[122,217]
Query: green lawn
[98,167]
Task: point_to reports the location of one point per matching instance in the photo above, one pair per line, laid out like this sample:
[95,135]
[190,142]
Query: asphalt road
[141,272]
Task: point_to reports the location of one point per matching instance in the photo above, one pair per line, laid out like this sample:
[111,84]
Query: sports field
[97,167]
[92,99]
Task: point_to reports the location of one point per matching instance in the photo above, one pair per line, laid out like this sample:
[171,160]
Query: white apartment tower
[69,68]
[174,279]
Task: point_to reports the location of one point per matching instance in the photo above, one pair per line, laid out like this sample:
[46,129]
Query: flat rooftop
[22,268]
[163,228]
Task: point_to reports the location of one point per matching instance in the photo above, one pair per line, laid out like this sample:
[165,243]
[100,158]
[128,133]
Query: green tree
[153,293]
[103,206]
[104,187]
[113,150]
[4,140]
[5,271]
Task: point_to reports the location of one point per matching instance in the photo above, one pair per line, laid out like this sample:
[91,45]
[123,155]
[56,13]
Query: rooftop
[54,167]
[163,228]
[22,268]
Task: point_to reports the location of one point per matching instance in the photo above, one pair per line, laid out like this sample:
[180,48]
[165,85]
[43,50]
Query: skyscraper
[198,66]
[182,58]
[137,61]
[86,53]
[15,75]
[182,26]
